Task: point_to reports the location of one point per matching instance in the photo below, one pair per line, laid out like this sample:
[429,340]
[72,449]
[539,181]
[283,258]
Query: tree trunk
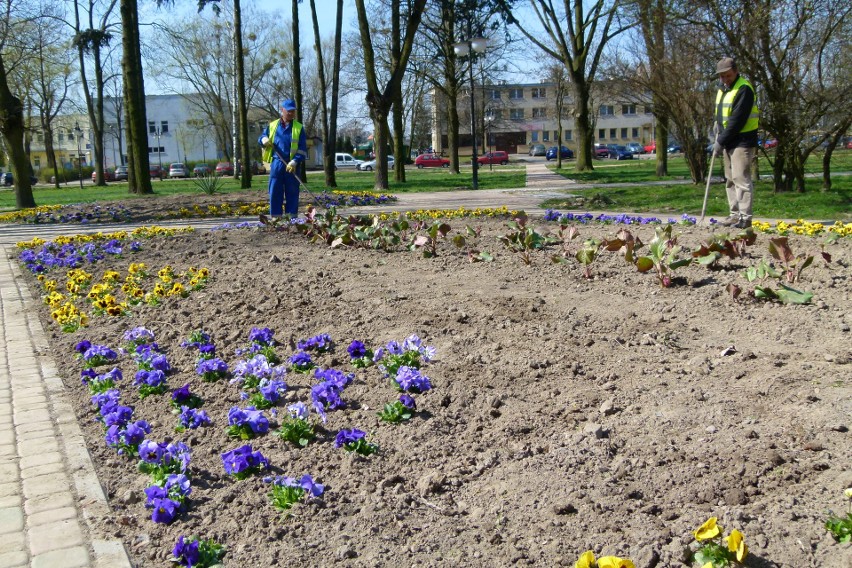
[327,147]
[661,139]
[297,76]
[139,177]
[448,19]
[583,125]
[12,128]
[242,109]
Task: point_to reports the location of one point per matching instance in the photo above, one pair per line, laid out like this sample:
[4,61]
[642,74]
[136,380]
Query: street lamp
[79,133]
[463,48]
[159,158]
[489,122]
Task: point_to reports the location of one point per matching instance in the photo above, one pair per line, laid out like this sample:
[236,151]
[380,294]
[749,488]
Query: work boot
[743,223]
[729,221]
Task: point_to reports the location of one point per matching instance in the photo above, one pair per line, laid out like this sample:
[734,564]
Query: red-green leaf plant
[662,257]
[780,250]
[473,254]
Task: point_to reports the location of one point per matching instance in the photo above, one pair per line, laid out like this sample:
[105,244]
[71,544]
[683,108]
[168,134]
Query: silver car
[371,165]
[178,170]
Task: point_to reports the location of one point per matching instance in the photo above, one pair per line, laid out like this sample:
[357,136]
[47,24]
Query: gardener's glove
[265,141]
[291,167]
[717,148]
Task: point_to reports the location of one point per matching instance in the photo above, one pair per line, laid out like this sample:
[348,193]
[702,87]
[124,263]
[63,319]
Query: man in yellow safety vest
[736,127]
[285,147]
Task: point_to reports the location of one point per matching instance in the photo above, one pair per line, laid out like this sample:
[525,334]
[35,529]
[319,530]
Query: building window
[516,113]
[602,133]
[539,113]
[607,110]
[635,132]
[37,163]
[516,93]
[534,136]
[40,136]
[556,136]
[649,109]
[612,133]
[567,134]
[61,136]
[623,133]
[628,109]
[155,150]
[164,127]
[539,93]
[494,95]
[152,127]
[545,136]
[497,113]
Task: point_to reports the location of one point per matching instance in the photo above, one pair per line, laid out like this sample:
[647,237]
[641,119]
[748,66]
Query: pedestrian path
[48,489]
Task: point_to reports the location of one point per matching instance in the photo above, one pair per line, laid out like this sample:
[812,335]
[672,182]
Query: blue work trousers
[283,190]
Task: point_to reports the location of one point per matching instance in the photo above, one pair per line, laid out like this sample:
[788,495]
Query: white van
[342,160]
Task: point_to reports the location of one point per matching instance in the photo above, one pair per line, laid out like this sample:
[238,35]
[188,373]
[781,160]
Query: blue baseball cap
[288,104]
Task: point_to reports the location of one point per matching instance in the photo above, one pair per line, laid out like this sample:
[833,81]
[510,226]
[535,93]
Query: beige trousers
[738,183]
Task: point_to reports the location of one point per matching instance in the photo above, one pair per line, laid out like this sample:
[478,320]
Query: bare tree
[379,100]
[138,175]
[589,26]
[329,101]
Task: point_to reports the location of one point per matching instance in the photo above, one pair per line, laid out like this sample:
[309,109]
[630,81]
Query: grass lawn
[425,180]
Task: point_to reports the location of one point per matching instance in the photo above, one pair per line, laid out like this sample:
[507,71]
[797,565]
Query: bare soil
[567,413]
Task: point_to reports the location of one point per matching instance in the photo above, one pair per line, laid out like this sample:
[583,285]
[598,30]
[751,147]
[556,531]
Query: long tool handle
[707,189]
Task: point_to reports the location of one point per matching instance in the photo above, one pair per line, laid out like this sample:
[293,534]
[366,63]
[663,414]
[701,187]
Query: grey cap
[725,64]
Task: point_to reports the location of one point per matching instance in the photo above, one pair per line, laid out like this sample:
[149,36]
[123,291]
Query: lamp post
[159,157]
[463,48]
[79,133]
[489,122]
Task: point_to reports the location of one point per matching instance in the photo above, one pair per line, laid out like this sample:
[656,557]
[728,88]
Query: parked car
[651,147]
[537,150]
[224,169]
[201,170]
[771,143]
[8,179]
[618,152]
[674,148]
[567,153]
[156,171]
[495,157]
[431,161]
[258,169]
[109,175]
[121,173]
[601,151]
[343,160]
[369,166]
[635,147]
[178,170]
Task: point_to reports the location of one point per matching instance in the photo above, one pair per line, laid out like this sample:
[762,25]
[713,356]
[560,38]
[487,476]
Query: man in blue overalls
[285,147]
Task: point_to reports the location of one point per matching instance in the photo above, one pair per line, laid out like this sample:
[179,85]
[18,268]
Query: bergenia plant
[182,397]
[301,362]
[359,355]
[287,491]
[243,462]
[296,429]
[713,551]
[399,410]
[355,440]
[197,553]
[190,419]
[320,343]
[246,424]
[212,369]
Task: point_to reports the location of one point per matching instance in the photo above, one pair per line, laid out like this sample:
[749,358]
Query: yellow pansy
[586,560]
[708,530]
[614,562]
[848,493]
[736,544]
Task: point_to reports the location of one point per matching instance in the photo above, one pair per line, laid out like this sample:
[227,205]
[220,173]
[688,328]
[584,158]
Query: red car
[651,148]
[224,169]
[431,161]
[497,157]
[109,175]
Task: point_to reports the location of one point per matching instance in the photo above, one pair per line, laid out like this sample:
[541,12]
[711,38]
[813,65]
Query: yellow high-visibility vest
[727,101]
[294,139]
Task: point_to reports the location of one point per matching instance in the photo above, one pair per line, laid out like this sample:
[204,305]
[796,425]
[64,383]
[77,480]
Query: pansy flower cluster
[208,365]
[359,355]
[99,383]
[52,255]
[94,355]
[401,362]
[287,491]
[320,343]
[297,428]
[243,462]
[122,433]
[161,459]
[197,553]
[355,440]
[326,394]
[261,341]
[329,199]
[246,423]
[153,367]
[167,498]
[183,398]
[301,362]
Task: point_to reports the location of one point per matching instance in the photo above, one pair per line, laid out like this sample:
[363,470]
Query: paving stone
[7,436]
[8,450]
[11,501]
[9,471]
[40,459]
[46,485]
[110,554]
[14,559]
[12,542]
[36,449]
[48,503]
[26,416]
[10,488]
[11,520]
[43,469]
[52,516]
[75,557]
[55,536]
[34,427]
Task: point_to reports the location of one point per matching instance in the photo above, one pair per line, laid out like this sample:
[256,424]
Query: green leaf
[709,259]
[764,293]
[789,295]
[586,256]
[644,264]
[485,256]
[459,241]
